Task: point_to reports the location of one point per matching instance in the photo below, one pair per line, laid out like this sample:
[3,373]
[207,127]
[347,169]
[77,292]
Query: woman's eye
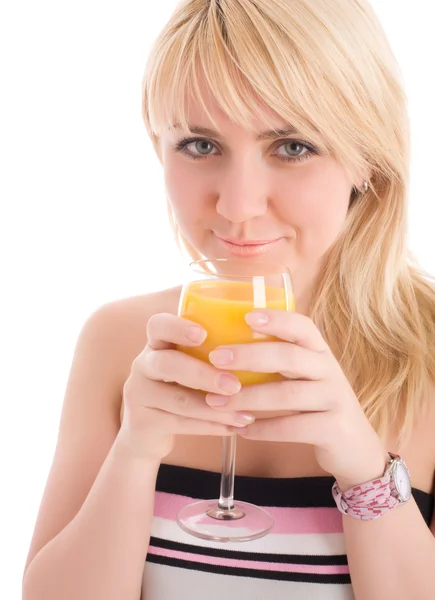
[294,149]
[199,147]
[203,147]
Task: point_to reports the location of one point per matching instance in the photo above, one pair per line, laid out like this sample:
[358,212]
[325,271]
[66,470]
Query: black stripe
[425,503]
[300,492]
[299,559]
[293,492]
[253,573]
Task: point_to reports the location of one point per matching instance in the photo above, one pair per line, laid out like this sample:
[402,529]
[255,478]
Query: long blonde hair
[326,68]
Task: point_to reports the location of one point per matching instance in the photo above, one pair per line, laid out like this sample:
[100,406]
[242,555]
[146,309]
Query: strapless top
[303,557]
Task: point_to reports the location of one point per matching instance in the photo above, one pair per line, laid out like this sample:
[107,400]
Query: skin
[239,188]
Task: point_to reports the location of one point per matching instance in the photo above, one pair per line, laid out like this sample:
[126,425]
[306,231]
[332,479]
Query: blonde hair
[326,68]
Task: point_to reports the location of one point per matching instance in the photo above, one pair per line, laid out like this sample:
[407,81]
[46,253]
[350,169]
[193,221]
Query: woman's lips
[245,248]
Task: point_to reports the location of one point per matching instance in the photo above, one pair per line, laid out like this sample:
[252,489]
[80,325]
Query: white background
[83,208]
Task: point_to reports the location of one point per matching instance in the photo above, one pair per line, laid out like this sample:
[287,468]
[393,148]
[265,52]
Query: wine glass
[217,296]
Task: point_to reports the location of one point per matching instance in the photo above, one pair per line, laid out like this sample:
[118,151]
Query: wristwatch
[374,498]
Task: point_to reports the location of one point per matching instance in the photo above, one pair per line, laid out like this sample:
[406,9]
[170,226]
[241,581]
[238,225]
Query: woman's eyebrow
[266,135]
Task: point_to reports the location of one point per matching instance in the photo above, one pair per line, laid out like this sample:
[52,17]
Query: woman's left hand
[330,418]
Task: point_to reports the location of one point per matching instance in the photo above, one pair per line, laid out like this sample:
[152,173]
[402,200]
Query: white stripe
[324,544]
[161,582]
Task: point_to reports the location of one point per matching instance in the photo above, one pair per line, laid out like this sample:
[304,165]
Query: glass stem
[226,500]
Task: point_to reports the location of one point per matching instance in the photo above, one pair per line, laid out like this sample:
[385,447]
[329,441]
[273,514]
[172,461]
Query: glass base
[206,520]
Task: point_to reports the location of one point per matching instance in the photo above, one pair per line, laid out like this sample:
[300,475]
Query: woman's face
[231,185]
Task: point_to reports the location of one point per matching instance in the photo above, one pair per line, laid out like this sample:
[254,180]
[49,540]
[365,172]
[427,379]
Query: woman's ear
[367,175]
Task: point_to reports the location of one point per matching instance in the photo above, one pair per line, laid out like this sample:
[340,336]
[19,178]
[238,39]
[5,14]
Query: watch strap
[371,499]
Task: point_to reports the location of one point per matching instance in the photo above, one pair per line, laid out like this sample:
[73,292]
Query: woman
[282,122]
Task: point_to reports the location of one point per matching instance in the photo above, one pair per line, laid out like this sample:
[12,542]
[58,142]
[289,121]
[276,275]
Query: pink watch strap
[369,500]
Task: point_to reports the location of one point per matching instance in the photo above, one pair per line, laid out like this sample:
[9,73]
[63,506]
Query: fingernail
[196,334]
[244,418]
[256,318]
[228,383]
[216,400]
[221,357]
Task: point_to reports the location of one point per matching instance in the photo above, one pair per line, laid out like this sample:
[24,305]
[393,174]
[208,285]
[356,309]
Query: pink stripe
[251,564]
[287,520]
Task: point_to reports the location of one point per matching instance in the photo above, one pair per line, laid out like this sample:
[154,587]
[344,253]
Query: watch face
[402,481]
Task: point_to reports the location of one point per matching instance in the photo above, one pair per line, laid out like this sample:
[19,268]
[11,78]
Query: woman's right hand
[162,396]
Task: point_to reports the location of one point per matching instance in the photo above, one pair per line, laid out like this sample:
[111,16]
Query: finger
[290,327]
[292,361]
[189,426]
[172,366]
[165,330]
[304,428]
[290,395]
[172,399]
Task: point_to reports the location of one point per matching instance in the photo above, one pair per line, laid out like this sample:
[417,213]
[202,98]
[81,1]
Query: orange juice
[220,307]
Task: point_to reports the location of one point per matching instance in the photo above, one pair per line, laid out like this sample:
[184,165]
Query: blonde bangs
[240,58]
[255,60]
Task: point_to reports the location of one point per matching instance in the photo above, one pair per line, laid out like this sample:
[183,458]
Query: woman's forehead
[211,116]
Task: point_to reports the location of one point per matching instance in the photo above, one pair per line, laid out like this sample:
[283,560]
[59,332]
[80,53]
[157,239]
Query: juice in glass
[220,307]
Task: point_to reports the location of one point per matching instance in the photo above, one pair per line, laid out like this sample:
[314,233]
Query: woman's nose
[242,194]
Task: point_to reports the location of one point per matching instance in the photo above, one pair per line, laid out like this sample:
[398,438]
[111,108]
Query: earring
[365,187]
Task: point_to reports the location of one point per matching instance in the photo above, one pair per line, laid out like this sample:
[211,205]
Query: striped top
[303,557]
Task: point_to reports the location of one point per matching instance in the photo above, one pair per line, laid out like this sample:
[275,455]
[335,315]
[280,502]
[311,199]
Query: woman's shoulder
[124,322]
[126,318]
[144,304]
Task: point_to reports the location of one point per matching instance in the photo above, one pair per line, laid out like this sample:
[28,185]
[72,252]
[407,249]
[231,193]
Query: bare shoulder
[111,337]
[145,305]
[127,319]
